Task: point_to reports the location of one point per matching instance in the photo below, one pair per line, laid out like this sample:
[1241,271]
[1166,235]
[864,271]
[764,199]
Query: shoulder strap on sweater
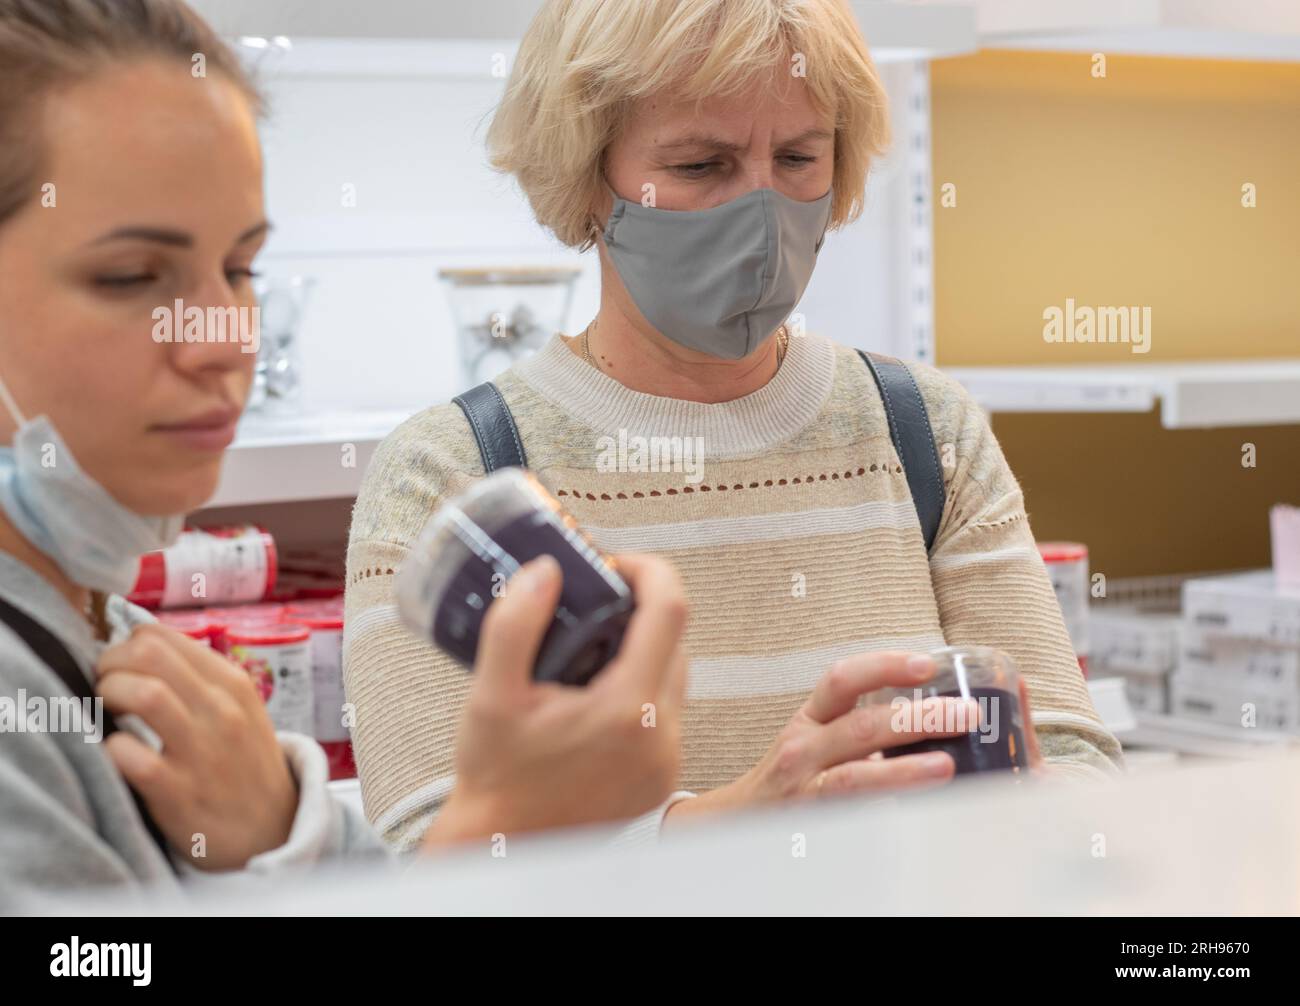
[909,428]
[494,427]
[54,655]
[499,444]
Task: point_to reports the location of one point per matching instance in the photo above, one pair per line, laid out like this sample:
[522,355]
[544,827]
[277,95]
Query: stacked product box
[1139,643]
[1240,657]
[280,617]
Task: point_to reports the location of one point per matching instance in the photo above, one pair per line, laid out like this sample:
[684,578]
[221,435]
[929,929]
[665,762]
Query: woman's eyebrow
[173,238]
[160,235]
[696,140]
[257,231]
[816,133]
[700,140]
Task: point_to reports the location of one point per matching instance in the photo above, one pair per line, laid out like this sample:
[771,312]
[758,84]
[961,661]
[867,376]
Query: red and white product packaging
[325,620]
[245,614]
[194,624]
[1067,567]
[225,565]
[277,655]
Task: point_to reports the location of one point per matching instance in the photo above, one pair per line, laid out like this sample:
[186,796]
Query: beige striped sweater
[793,530]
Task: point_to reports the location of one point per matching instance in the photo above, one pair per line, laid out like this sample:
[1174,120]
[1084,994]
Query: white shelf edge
[1188,43]
[1192,395]
[1205,738]
[1185,28]
[294,458]
[893,31]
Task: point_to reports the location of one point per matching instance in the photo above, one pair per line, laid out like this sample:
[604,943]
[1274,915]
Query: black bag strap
[494,427]
[51,652]
[909,428]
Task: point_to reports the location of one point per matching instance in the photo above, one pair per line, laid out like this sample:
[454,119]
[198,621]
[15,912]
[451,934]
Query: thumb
[143,768]
[515,624]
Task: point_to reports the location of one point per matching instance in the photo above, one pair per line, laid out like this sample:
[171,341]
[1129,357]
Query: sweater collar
[743,426]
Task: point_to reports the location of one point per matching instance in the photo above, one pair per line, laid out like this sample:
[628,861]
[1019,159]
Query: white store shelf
[280,459]
[1200,394]
[893,30]
[302,457]
[1242,29]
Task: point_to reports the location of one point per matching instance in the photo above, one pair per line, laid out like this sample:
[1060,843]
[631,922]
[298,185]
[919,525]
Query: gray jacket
[67,819]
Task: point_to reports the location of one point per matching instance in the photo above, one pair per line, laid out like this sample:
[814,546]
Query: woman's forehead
[671,121]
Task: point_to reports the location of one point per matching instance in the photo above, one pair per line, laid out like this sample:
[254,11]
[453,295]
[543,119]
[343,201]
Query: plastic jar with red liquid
[245,614]
[277,655]
[324,618]
[194,624]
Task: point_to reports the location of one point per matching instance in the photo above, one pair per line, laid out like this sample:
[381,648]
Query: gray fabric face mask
[719,280]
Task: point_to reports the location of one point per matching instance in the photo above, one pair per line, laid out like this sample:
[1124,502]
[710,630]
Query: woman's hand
[220,789]
[540,755]
[832,746]
[1036,763]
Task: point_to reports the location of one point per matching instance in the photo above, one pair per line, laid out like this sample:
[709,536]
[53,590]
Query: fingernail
[920,666]
[536,576]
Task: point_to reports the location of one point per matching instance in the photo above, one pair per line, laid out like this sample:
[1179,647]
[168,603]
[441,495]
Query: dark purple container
[472,547]
[990,678]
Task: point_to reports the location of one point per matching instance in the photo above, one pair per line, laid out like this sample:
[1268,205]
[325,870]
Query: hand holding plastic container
[997,742]
[476,542]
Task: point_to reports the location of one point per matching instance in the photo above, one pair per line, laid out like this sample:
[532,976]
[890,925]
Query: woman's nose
[229,323]
[757,172]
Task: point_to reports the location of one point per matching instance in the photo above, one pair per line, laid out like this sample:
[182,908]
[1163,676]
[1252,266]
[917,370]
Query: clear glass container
[987,676]
[277,381]
[504,314]
[475,543]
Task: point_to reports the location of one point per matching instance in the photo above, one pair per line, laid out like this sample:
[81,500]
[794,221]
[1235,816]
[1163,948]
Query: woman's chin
[182,493]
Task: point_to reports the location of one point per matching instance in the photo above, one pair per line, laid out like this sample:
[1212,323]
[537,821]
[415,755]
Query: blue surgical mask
[70,517]
[719,280]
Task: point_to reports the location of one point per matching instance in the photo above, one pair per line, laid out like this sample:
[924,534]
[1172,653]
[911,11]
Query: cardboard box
[1130,639]
[1242,660]
[1249,605]
[1194,694]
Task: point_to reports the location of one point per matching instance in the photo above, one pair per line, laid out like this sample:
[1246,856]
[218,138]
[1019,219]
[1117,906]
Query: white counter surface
[1212,839]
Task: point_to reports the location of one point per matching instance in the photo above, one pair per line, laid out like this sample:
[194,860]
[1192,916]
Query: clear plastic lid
[959,671]
[469,525]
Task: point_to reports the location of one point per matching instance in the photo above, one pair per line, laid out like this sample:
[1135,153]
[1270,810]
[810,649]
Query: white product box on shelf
[1147,693]
[1242,660]
[1243,604]
[1193,694]
[1133,639]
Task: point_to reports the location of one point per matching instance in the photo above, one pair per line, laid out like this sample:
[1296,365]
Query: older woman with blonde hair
[705,148]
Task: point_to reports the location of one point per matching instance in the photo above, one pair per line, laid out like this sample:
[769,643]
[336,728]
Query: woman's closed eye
[702,169]
[124,282]
[699,169]
[236,277]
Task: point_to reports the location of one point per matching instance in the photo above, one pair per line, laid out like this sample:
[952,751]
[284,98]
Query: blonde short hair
[583,62]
